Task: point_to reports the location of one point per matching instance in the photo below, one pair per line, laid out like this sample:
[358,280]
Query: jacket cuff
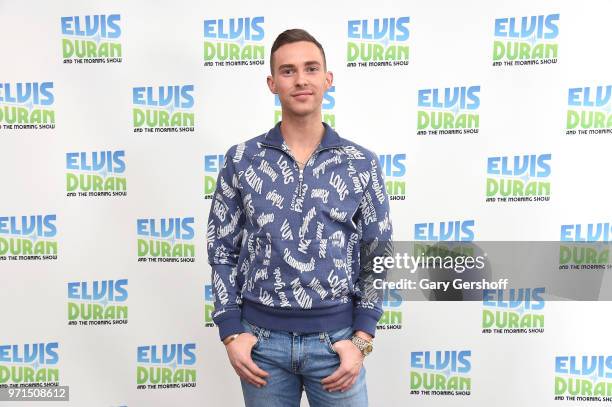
[365,320]
[230,325]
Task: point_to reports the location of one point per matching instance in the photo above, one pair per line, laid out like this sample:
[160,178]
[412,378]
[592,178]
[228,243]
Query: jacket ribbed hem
[302,321]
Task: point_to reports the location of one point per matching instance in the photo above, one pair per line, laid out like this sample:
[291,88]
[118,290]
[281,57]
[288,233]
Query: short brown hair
[291,36]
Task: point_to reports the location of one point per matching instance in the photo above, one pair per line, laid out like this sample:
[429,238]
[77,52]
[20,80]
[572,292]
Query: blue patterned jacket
[284,243]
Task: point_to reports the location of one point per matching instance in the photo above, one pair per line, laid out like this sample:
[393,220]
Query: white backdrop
[522,112]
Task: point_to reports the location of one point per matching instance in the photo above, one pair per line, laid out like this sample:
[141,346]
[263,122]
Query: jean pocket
[334,336]
[253,330]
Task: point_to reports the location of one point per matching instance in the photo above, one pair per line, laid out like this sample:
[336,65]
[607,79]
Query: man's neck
[302,133]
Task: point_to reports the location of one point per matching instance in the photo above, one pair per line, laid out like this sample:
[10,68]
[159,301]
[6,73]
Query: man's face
[299,78]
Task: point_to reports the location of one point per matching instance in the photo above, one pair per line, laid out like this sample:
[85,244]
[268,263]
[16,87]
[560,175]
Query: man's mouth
[305,93]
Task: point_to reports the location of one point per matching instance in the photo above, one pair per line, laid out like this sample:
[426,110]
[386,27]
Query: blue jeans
[297,361]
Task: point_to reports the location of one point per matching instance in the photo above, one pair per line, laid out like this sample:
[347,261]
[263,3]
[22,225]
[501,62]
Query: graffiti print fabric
[284,242]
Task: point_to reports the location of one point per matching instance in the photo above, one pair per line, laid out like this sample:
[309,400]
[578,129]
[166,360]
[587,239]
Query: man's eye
[286,71]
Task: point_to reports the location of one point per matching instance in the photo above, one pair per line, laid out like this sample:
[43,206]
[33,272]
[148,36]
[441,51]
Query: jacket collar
[275,138]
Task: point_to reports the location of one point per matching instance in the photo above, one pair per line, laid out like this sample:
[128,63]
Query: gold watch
[366,347]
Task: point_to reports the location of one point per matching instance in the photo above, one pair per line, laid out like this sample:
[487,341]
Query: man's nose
[300,79]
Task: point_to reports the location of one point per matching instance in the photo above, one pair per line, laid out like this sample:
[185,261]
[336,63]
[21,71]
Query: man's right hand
[239,353]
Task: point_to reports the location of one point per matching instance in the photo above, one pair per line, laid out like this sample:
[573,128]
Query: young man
[295,214]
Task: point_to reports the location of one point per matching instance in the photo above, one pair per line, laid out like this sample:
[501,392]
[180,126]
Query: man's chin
[305,112]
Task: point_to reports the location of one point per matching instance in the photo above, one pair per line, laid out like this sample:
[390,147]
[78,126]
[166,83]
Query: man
[295,211]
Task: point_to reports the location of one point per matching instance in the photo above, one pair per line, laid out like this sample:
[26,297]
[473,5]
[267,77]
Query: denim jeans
[297,361]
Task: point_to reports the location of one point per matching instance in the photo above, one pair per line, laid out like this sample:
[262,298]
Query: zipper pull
[301,179]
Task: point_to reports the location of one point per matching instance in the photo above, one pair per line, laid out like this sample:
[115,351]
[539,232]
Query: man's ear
[329,79]
[271,84]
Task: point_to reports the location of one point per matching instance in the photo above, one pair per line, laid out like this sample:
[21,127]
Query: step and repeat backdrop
[491,121]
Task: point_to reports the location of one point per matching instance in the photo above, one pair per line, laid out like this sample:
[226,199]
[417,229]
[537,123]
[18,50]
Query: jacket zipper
[295,164]
[301,180]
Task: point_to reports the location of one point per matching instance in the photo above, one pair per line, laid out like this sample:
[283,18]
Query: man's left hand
[351,360]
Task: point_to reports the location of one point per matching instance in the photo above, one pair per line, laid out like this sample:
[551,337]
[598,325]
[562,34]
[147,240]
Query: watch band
[363,345]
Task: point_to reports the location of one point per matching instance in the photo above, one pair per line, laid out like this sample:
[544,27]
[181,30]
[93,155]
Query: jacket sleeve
[374,222]
[225,229]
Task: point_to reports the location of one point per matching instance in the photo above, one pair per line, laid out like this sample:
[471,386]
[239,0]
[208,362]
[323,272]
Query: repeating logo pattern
[95,173]
[234,41]
[392,313]
[27,105]
[589,110]
[212,166]
[586,378]
[91,39]
[529,40]
[441,373]
[394,169]
[585,246]
[448,110]
[513,310]
[166,366]
[163,109]
[29,364]
[522,178]
[378,42]
[166,240]
[299,230]
[28,237]
[98,302]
